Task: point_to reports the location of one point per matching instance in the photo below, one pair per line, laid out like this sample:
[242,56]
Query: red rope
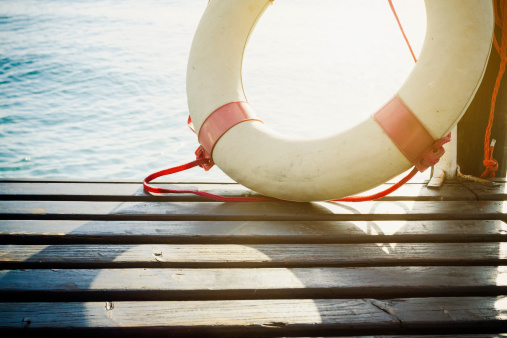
[380,194]
[220,198]
[429,159]
[204,160]
[501,20]
[198,162]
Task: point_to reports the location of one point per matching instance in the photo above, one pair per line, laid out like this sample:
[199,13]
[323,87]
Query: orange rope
[401,29]
[501,21]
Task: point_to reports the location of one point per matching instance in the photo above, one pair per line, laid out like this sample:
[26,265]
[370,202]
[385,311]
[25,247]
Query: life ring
[433,98]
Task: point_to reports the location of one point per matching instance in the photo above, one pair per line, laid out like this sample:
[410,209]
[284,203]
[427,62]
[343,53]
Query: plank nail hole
[26,322]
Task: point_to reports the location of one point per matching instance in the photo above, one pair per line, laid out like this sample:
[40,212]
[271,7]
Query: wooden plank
[275,317]
[259,283]
[487,192]
[225,180]
[134,191]
[212,211]
[113,191]
[256,255]
[248,232]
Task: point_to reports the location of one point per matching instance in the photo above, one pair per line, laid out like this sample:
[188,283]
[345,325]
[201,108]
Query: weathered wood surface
[249,232]
[253,255]
[81,258]
[274,317]
[195,211]
[260,283]
[134,191]
[486,192]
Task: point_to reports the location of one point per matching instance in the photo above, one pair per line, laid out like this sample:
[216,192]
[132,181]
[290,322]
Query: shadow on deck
[104,258]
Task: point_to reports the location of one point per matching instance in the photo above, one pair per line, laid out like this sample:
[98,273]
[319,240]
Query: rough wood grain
[212,211]
[263,317]
[248,232]
[188,284]
[486,192]
[134,191]
[111,260]
[253,255]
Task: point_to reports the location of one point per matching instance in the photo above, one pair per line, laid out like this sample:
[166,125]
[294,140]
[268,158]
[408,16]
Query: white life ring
[437,93]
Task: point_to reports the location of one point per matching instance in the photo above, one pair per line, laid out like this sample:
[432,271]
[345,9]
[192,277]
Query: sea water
[95,89]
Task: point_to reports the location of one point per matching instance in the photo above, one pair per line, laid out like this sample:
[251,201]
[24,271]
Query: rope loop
[430,158]
[202,154]
[489,162]
[204,160]
[491,167]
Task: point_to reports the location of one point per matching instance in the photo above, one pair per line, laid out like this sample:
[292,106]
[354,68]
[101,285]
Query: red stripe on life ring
[223,119]
[406,131]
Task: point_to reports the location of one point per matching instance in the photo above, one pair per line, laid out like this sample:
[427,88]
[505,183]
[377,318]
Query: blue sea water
[95,89]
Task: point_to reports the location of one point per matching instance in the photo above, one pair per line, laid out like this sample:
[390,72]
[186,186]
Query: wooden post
[472,127]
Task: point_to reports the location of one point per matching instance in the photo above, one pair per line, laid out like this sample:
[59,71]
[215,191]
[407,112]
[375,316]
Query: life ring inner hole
[311,72]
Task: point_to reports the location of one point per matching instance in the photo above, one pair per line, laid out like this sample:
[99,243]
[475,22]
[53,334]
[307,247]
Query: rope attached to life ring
[204,160]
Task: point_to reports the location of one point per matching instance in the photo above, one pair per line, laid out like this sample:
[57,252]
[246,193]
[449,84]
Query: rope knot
[489,162]
[432,156]
[500,10]
[201,154]
[491,168]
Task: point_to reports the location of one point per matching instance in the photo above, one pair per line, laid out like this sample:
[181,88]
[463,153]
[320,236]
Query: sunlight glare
[379,227]
[501,308]
[357,48]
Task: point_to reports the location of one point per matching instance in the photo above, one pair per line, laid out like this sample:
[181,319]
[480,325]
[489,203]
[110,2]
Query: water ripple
[96,88]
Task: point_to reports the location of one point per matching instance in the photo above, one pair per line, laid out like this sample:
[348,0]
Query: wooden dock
[103,258]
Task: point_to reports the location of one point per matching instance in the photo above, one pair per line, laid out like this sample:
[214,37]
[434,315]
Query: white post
[446,167]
